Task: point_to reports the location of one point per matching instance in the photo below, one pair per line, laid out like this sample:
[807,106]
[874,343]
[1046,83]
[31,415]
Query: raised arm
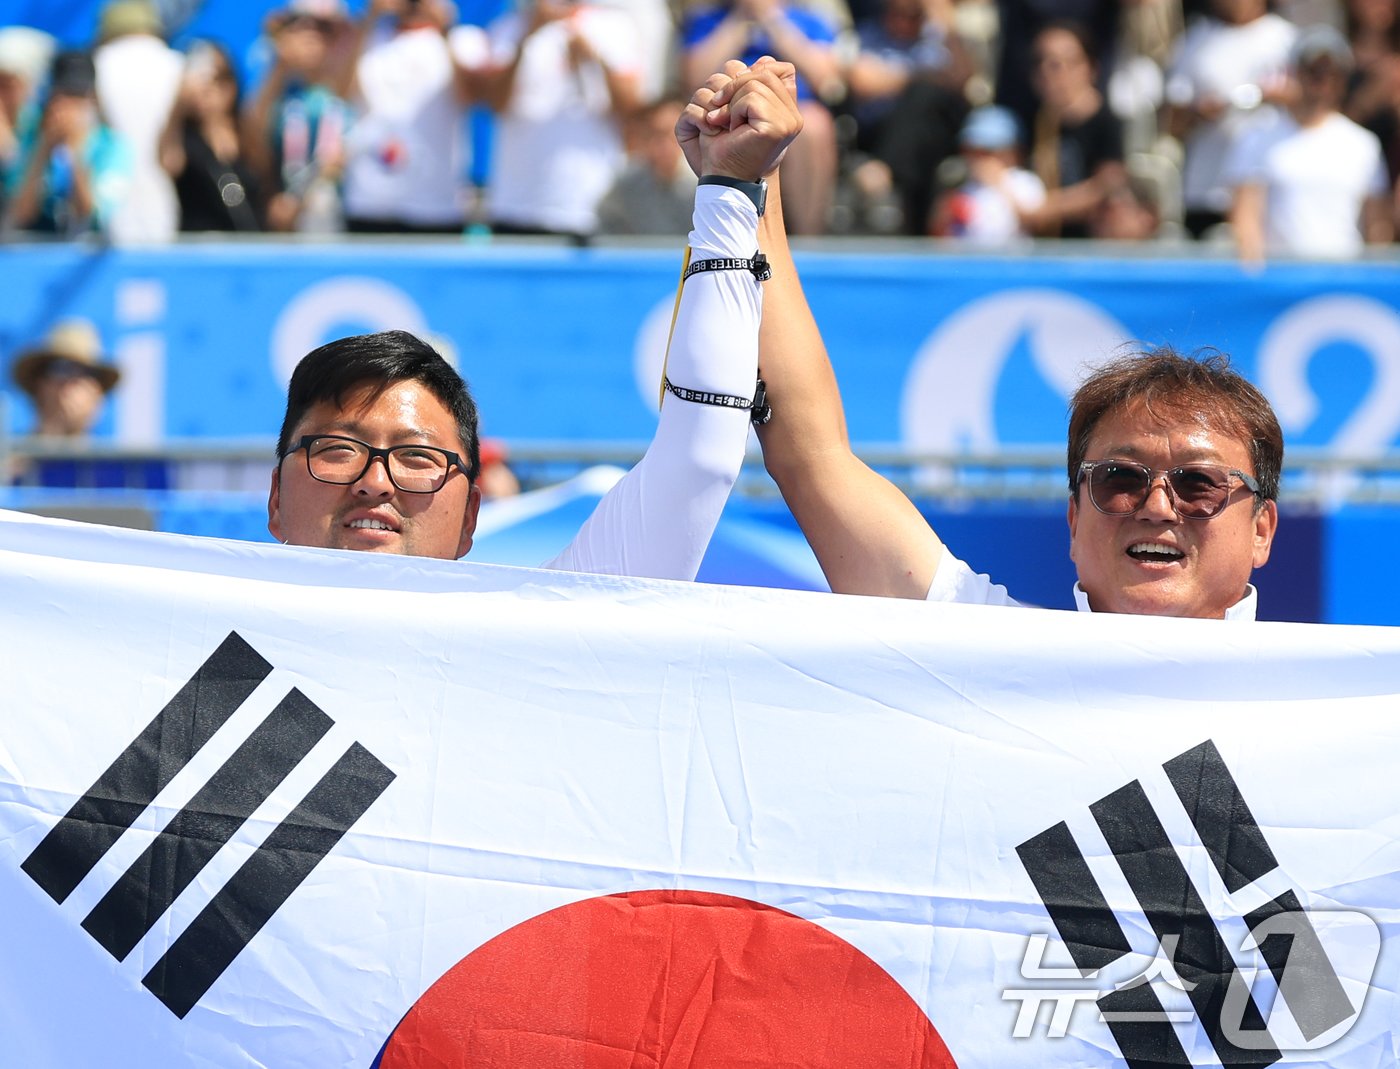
[658,519]
[497,80]
[868,537]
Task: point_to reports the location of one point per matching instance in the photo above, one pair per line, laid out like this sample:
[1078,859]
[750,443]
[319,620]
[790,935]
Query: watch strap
[755,191]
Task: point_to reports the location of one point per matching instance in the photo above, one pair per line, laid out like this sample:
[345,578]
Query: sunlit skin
[1217,555]
[68,405]
[305,512]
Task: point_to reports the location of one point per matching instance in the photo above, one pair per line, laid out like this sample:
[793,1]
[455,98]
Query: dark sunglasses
[1197,491]
[64,370]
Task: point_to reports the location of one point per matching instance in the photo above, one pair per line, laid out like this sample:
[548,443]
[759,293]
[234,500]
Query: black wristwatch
[755,191]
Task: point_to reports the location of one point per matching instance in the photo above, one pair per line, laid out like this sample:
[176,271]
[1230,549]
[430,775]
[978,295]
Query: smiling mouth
[369,525]
[1155,553]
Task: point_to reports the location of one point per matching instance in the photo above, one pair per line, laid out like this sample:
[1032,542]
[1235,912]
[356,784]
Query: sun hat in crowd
[72,343]
[122,17]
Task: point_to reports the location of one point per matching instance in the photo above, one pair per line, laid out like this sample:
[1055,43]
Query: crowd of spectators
[1275,129]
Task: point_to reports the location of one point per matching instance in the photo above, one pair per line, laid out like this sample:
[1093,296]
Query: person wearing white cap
[25,54]
[1313,184]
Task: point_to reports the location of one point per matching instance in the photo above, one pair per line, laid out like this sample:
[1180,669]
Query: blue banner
[938,353]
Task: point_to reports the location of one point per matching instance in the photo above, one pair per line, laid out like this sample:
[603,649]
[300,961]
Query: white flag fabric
[264,806]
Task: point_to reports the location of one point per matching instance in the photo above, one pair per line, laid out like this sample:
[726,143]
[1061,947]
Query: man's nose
[375,481]
[1160,504]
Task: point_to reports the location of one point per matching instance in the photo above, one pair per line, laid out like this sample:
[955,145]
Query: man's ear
[274,505]
[1072,518]
[1265,525]
[469,521]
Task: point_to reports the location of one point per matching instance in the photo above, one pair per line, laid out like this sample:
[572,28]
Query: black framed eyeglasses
[414,469]
[1197,491]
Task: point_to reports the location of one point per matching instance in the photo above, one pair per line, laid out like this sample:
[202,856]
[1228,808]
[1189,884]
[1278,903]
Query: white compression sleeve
[658,519]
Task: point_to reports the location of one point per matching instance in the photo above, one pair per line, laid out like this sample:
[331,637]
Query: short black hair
[338,368]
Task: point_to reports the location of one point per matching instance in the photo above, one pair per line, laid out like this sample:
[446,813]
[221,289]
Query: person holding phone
[414,74]
[561,79]
[74,170]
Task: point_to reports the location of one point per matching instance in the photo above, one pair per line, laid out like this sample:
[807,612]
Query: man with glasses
[379,451]
[1173,473]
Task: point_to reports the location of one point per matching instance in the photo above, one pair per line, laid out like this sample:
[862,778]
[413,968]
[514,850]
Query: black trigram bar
[259,888]
[111,805]
[1306,979]
[1174,908]
[218,809]
[1228,830]
[1141,1028]
[1072,898]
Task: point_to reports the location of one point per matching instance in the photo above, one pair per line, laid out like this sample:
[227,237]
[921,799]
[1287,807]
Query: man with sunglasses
[379,451]
[1173,471]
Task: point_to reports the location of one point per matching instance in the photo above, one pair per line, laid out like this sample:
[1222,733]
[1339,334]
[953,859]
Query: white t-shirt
[558,143]
[1227,62]
[956,583]
[658,519]
[407,149]
[138,79]
[988,214]
[1316,180]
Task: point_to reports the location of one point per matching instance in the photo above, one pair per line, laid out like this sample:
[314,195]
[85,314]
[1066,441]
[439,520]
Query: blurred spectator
[562,77]
[201,149]
[654,27]
[1129,213]
[25,55]
[1373,31]
[1373,95]
[907,85]
[656,191]
[138,78]
[496,479]
[1020,25]
[296,124]
[991,205]
[73,170]
[1077,142]
[414,75]
[67,378]
[1136,85]
[715,32]
[1227,73]
[1314,183]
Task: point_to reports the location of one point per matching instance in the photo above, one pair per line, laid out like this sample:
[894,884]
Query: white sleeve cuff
[726,223]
